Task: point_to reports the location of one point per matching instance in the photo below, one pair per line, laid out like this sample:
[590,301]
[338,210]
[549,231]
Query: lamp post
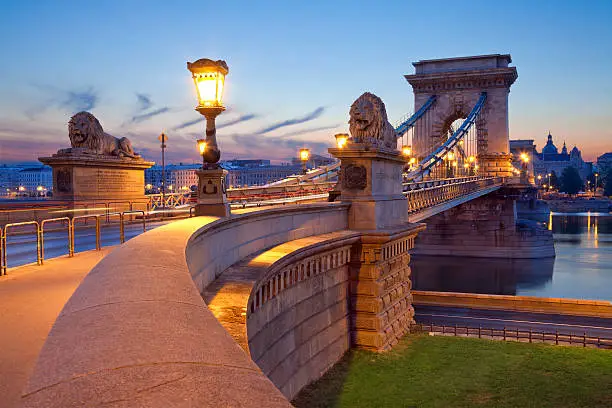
[209,80]
[596,175]
[163,138]
[304,157]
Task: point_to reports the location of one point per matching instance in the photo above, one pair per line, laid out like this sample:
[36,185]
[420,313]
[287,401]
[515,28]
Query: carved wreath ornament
[354,177]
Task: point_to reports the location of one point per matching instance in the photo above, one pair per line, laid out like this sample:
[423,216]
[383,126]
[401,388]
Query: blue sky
[295,68]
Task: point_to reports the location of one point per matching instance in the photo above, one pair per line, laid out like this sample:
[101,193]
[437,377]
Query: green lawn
[435,371]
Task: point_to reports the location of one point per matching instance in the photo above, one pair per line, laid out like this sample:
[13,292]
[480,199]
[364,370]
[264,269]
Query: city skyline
[126,64]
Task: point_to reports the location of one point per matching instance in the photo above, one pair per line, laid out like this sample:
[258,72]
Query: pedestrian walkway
[31,298]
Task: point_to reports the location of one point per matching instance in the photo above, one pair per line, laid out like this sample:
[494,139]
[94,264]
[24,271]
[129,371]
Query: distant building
[179,177]
[257,172]
[604,163]
[36,180]
[315,161]
[9,179]
[550,159]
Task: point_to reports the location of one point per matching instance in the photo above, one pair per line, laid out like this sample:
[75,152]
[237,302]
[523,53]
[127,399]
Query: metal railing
[71,224]
[167,200]
[425,194]
[516,334]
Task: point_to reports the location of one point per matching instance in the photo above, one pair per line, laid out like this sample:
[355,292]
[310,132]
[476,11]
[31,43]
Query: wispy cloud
[72,100]
[266,145]
[240,119]
[309,130]
[289,122]
[84,100]
[144,101]
[188,123]
[148,115]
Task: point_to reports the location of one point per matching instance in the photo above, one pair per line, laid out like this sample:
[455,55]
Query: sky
[295,67]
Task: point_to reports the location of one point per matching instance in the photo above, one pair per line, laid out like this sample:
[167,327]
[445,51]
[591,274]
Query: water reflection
[582,268]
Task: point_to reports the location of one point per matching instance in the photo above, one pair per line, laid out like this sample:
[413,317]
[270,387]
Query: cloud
[78,101]
[74,100]
[309,130]
[240,119]
[145,116]
[276,145]
[189,123]
[144,101]
[289,122]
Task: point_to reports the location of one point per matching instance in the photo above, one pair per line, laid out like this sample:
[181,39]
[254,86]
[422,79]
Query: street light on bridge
[209,79]
[304,157]
[341,139]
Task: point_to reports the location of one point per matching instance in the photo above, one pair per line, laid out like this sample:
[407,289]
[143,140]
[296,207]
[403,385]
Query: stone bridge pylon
[457,84]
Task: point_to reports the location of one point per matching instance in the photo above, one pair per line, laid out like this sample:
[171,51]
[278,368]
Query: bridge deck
[32,297]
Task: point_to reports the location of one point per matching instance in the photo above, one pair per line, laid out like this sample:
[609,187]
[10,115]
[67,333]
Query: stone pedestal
[495,165]
[212,197]
[79,176]
[371,180]
[381,301]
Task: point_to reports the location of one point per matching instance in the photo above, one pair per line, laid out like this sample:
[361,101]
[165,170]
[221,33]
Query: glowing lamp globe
[209,79]
[406,151]
[341,140]
[304,154]
[201,146]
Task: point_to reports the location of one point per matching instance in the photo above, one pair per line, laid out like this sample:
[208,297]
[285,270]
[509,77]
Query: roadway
[21,248]
[498,319]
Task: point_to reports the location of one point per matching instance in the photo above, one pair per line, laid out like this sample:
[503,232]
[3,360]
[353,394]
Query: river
[582,268]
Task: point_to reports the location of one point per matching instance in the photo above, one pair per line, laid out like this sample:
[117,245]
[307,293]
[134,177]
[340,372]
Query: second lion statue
[368,122]
[85,131]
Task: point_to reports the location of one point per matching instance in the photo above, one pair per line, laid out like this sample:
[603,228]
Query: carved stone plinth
[82,176]
[495,165]
[381,301]
[212,197]
[371,180]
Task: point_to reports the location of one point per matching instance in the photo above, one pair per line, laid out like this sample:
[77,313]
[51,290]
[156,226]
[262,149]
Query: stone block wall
[381,301]
[298,318]
[484,227]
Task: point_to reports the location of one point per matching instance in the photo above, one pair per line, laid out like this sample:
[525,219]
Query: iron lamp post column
[209,79]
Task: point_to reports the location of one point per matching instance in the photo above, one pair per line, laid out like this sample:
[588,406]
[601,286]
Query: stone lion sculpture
[85,131]
[368,122]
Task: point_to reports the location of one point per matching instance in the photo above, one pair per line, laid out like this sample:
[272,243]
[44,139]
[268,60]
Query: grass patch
[434,371]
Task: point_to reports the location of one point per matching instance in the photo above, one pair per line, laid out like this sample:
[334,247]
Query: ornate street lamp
[406,151]
[304,157]
[209,79]
[202,149]
[341,140]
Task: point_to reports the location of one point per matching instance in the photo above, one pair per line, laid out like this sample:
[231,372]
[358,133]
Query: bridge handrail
[18,224]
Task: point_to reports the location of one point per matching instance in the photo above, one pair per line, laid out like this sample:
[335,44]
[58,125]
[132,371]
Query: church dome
[550,148]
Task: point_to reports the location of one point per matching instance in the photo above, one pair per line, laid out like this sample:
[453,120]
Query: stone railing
[137,331]
[426,194]
[298,313]
[212,250]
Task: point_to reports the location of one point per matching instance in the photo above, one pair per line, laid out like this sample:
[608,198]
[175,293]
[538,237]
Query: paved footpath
[31,298]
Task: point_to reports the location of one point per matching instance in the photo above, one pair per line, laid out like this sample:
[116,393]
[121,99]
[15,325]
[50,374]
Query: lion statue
[368,122]
[86,132]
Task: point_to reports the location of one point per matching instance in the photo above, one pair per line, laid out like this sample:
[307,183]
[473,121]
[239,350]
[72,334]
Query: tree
[571,182]
[608,185]
[554,181]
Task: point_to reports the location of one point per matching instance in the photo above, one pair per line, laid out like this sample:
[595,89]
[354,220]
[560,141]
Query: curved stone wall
[213,249]
[298,320]
[136,332]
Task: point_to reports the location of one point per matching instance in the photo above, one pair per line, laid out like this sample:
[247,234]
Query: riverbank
[580,205]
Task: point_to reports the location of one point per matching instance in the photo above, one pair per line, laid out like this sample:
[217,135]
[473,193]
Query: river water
[582,268]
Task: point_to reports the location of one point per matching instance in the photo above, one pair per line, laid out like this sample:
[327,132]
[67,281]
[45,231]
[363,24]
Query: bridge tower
[457,84]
